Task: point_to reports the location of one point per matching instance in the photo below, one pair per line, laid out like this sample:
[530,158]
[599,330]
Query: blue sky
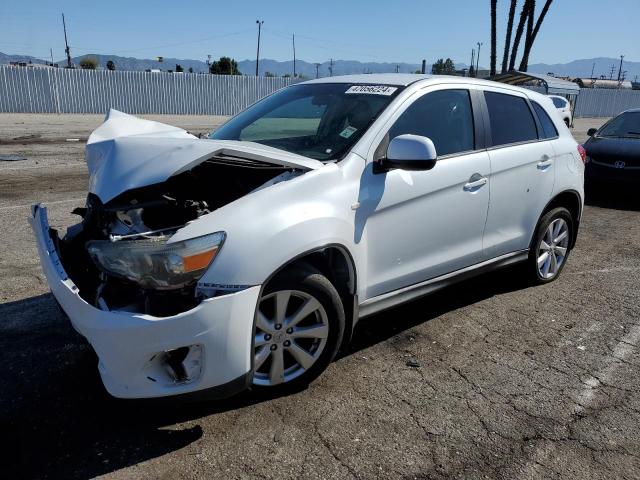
[375,30]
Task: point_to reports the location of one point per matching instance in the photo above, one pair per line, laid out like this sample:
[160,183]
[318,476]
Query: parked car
[564,108]
[613,150]
[248,257]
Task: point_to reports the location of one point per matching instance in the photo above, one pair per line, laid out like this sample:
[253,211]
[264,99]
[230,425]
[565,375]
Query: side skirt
[405,294]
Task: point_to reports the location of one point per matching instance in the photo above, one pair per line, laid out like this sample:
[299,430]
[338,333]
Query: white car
[247,258]
[564,108]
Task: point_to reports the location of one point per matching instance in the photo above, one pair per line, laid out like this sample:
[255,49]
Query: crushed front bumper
[130,344]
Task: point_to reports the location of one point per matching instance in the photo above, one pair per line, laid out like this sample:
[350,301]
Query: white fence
[57,90]
[602,102]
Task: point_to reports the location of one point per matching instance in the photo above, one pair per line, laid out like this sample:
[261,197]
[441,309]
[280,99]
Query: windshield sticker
[347,132]
[372,89]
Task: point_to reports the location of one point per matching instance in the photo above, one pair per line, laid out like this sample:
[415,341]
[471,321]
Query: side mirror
[408,152]
[592,131]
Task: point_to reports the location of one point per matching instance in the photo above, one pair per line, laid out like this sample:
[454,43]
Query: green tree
[269,74]
[443,67]
[224,66]
[89,63]
[111,65]
[179,68]
[190,69]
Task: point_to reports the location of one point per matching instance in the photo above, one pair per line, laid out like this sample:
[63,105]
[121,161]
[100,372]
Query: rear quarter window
[510,118]
[548,128]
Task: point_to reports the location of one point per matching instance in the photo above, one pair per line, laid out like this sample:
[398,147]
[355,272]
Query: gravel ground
[508,381]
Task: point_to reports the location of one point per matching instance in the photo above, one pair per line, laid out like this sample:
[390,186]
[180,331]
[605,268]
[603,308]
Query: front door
[428,223]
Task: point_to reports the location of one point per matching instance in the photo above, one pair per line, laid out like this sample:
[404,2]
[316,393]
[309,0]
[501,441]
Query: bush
[89,63]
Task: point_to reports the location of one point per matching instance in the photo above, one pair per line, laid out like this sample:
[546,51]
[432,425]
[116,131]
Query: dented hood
[127,152]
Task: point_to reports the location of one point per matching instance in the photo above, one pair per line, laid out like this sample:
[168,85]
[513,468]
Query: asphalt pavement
[489,378]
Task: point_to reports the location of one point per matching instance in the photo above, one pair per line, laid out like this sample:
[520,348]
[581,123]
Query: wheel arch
[571,200]
[335,262]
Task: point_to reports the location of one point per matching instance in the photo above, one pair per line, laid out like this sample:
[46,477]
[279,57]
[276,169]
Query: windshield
[624,125]
[321,121]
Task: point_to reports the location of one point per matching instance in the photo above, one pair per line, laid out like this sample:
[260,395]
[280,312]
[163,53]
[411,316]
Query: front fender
[268,228]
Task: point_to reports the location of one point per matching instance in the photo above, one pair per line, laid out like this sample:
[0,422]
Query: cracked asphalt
[489,378]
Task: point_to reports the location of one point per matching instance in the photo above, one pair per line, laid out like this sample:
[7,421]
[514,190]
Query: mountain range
[575,68]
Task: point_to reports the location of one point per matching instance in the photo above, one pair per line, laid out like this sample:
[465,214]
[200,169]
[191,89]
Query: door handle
[476,184]
[545,162]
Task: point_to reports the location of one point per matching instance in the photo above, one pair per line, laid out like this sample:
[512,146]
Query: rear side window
[558,102]
[445,116]
[548,128]
[510,118]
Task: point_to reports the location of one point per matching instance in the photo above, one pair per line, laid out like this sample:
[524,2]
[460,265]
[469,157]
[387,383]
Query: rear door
[522,171]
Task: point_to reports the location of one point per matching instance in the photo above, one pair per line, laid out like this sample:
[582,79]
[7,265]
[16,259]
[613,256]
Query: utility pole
[592,69]
[613,69]
[478,58]
[397,68]
[259,22]
[208,63]
[317,70]
[620,67]
[473,59]
[51,52]
[331,68]
[66,48]
[294,55]
[424,66]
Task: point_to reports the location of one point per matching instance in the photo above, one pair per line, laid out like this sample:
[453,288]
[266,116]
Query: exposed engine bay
[149,216]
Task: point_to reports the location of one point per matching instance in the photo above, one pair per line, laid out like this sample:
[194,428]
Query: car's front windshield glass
[321,121]
[624,125]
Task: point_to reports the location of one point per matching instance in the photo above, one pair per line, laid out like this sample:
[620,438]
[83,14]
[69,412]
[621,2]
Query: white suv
[564,108]
[248,257]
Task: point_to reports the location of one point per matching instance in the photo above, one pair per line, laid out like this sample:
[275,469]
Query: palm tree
[507,40]
[494,6]
[532,32]
[524,14]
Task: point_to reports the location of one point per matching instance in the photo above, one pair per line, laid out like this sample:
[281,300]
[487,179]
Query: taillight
[583,153]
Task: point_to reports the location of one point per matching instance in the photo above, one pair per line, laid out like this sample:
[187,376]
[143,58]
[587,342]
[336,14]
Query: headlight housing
[155,264]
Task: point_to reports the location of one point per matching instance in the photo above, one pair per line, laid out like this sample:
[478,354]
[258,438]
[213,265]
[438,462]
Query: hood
[127,152]
[625,149]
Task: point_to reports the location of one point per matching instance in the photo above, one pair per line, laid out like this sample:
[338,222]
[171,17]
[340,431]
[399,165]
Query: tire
[297,288]
[567,123]
[541,269]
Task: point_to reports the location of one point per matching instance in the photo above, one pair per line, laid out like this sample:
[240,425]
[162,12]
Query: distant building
[33,65]
[601,83]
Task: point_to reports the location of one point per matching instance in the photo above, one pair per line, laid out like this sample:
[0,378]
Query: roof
[551,84]
[399,79]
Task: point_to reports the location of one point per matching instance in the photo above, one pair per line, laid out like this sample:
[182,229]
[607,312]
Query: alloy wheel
[292,329]
[552,249]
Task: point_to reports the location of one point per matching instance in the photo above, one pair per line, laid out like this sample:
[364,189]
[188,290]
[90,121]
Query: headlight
[155,264]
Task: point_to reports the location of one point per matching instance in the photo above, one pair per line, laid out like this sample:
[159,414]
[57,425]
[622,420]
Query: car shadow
[615,197]
[60,421]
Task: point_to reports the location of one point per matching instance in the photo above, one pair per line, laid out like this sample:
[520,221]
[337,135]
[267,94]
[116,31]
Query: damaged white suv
[247,258]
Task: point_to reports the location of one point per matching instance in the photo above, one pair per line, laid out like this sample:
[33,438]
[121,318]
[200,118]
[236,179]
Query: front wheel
[551,245]
[299,328]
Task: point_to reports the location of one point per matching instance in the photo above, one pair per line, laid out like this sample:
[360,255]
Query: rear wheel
[299,327]
[551,245]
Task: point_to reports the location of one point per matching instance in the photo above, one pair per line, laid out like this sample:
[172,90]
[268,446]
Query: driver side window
[445,116]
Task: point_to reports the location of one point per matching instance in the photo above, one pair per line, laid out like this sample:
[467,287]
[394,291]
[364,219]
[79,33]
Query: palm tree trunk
[494,6]
[528,36]
[531,37]
[507,41]
[524,14]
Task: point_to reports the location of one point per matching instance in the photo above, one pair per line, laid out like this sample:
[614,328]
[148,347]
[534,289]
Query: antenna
[66,48]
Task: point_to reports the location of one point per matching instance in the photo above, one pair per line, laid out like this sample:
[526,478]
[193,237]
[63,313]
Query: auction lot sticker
[372,89]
